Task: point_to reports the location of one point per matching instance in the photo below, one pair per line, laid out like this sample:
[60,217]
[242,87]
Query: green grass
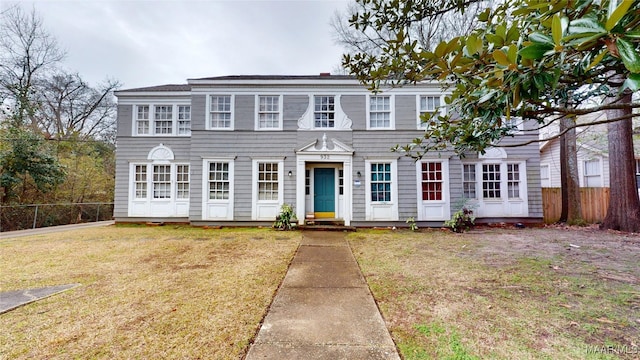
[147,292]
[451,296]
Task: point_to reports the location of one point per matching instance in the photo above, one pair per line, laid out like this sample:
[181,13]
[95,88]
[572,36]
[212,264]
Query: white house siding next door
[218,189]
[433,189]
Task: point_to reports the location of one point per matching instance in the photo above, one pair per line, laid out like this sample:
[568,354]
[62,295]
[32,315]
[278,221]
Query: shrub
[461,220]
[286,219]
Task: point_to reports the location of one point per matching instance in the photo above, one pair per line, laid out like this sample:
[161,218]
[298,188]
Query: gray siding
[124,122]
[136,149]
[355,106]
[294,106]
[198,112]
[406,112]
[245,113]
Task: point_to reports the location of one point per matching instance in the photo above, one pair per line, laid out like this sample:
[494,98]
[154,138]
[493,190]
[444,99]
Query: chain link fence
[32,216]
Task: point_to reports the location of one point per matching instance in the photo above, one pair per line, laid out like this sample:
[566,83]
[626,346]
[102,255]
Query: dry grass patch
[147,292]
[506,294]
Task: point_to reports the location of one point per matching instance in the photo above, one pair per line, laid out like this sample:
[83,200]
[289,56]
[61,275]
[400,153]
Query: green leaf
[597,59]
[613,17]
[632,34]
[535,51]
[541,39]
[629,55]
[512,54]
[586,25]
[501,58]
[556,29]
[632,82]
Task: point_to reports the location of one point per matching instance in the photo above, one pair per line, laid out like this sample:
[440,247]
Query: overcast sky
[146,43]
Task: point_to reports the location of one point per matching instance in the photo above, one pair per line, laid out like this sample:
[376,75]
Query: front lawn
[506,293]
[147,292]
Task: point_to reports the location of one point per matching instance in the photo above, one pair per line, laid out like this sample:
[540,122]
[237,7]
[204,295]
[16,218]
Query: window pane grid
[219,181]
[381,182]
[469,181]
[220,111]
[269,112]
[380,111]
[184,120]
[491,181]
[182,181]
[141,181]
[324,111]
[142,119]
[432,181]
[161,181]
[268,181]
[163,119]
[513,181]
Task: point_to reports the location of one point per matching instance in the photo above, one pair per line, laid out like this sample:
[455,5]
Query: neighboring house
[233,149]
[593,154]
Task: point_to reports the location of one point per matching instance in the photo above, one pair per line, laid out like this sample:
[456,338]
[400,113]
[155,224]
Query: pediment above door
[325,145]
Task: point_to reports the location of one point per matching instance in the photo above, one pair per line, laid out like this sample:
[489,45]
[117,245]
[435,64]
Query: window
[513,181]
[491,181]
[218,181]
[141,181]
[268,181]
[432,181]
[269,112]
[637,166]
[162,181]
[220,112]
[469,181]
[324,111]
[182,181]
[163,119]
[341,182]
[380,182]
[142,119]
[184,120]
[592,173]
[545,180]
[307,182]
[428,104]
[380,112]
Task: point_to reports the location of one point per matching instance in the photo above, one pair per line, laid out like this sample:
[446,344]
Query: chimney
[325,74]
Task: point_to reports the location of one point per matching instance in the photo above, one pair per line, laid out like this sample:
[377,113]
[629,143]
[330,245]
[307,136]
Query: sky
[146,43]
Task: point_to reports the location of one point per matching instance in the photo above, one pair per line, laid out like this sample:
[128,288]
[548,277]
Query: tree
[539,60]
[27,51]
[69,108]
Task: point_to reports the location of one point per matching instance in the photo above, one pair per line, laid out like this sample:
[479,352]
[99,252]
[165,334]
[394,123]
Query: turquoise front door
[324,193]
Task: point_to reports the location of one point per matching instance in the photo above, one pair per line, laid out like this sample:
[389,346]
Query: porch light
[290,173]
[359,174]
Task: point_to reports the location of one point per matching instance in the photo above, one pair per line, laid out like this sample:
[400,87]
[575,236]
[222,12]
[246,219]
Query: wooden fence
[595,202]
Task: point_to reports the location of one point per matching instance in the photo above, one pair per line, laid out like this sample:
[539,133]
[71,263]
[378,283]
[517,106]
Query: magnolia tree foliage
[531,59]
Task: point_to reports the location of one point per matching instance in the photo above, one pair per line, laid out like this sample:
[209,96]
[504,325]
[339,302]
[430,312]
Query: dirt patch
[571,250]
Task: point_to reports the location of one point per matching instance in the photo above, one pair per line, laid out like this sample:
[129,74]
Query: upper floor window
[427,104]
[269,113]
[166,120]
[324,111]
[142,119]
[220,112]
[380,112]
[163,119]
[184,120]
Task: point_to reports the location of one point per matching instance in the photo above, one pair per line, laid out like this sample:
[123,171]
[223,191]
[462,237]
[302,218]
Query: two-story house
[233,149]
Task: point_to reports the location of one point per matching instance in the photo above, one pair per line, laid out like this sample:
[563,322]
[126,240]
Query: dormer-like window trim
[381,112]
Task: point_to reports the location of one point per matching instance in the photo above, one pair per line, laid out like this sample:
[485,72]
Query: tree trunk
[570,181]
[624,206]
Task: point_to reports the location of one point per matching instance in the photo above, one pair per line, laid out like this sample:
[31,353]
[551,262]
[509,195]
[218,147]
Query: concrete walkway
[324,309]
[53,229]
